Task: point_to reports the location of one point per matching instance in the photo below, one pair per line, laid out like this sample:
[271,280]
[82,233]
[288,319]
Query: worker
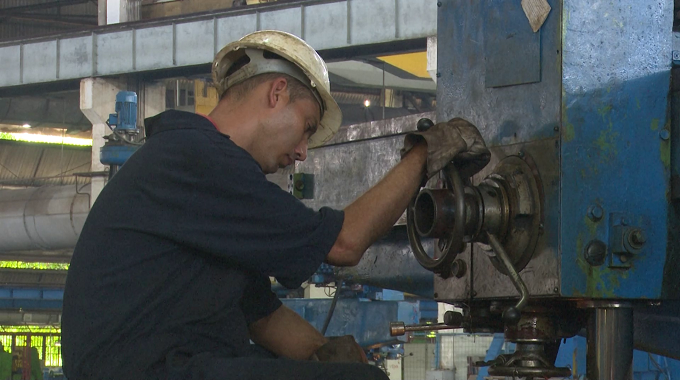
[170,276]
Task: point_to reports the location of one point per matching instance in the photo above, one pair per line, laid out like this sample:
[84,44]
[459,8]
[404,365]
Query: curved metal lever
[512,314]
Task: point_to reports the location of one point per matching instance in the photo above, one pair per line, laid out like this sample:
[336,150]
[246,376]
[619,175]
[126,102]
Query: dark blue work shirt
[176,252]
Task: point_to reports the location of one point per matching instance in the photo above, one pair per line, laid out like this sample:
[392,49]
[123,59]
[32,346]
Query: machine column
[610,343]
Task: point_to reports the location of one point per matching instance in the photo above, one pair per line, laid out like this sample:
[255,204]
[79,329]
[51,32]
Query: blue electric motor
[125,118]
[120,144]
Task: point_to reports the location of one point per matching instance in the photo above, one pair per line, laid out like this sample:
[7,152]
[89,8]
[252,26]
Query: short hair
[296,89]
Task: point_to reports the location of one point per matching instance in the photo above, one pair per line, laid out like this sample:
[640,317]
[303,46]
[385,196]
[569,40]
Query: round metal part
[595,252]
[529,360]
[453,318]
[453,242]
[494,208]
[397,328]
[595,213]
[458,268]
[532,328]
[434,213]
[523,208]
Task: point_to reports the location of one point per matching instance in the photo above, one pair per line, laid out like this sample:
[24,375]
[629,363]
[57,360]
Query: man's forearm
[373,214]
[287,334]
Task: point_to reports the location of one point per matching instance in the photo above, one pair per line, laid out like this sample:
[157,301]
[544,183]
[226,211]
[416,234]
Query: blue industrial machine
[576,212]
[121,144]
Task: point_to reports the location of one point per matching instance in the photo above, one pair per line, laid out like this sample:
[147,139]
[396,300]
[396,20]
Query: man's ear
[278,92]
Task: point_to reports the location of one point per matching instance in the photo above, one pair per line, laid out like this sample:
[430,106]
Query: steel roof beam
[194,40]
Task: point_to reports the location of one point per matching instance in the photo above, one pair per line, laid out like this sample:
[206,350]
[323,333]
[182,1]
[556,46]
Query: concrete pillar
[97,101]
[119,11]
[432,57]
[101,12]
[151,101]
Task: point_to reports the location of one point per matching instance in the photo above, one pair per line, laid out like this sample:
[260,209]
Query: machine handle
[424,124]
[512,314]
[452,320]
[453,243]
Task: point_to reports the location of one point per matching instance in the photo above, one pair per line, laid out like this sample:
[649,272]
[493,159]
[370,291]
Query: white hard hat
[300,61]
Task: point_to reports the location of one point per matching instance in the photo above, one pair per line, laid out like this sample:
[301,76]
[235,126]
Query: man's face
[287,133]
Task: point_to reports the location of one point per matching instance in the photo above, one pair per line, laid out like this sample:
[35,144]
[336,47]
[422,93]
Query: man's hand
[340,349]
[456,140]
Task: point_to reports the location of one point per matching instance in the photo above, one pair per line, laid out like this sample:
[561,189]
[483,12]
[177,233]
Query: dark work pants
[210,367]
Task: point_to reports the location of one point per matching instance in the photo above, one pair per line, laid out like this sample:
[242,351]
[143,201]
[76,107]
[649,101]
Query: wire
[331,310]
[658,367]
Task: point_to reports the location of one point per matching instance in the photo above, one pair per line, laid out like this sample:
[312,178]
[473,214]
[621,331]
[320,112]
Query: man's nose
[301,151]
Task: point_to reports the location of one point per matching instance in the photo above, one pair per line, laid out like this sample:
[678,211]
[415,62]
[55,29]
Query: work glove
[456,140]
[340,349]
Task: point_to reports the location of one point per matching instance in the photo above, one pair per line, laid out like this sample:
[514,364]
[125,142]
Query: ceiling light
[367,103]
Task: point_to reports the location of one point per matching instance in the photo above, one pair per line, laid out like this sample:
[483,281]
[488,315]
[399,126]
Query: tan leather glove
[456,140]
[340,349]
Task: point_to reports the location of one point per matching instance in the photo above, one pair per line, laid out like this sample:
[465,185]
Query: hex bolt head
[595,252]
[664,134]
[595,213]
[637,238]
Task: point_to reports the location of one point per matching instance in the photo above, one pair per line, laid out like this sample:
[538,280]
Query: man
[170,276]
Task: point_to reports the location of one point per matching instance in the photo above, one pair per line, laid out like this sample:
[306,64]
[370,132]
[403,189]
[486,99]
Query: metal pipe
[610,344]
[46,218]
[434,213]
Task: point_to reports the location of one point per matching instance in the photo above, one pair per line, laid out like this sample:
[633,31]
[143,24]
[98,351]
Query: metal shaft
[610,344]
[399,328]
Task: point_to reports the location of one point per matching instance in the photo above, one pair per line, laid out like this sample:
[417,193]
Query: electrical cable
[331,310]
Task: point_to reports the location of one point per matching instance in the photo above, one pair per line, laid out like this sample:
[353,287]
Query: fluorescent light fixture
[45,139]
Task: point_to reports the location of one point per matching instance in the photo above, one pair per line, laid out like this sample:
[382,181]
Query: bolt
[439,75]
[624,221]
[439,3]
[556,289]
[458,268]
[520,154]
[436,295]
[541,229]
[637,238]
[664,134]
[595,213]
[595,252]
[676,55]
[556,129]
[474,293]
